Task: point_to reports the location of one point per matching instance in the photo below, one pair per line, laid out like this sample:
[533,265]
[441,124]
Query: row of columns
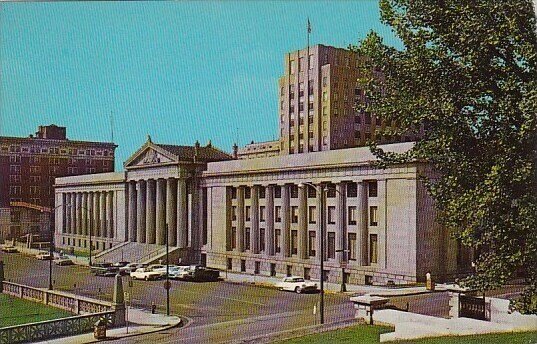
[89,212]
[155,203]
[303,221]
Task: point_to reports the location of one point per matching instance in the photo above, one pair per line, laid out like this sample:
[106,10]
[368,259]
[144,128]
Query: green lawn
[365,334]
[15,311]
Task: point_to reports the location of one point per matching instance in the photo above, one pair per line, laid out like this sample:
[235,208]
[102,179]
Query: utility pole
[167,273]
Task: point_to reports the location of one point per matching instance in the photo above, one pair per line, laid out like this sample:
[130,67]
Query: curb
[166,327]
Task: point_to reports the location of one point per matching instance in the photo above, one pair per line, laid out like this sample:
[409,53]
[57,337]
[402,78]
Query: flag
[309,26]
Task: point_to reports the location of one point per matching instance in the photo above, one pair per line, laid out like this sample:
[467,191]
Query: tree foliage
[466,81]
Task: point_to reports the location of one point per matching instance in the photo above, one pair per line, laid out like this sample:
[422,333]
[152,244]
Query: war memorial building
[257,210]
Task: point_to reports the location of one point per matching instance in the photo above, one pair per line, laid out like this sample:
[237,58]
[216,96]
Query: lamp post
[51,245]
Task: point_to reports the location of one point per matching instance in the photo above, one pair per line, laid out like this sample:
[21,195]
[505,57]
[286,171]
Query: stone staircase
[134,252]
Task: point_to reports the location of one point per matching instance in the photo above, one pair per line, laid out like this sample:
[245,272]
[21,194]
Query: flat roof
[95,178]
[340,157]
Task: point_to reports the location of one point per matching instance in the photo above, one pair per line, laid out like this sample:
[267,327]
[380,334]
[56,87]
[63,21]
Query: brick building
[29,166]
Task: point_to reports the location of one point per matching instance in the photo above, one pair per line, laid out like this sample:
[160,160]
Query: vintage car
[145,274]
[296,284]
[62,260]
[44,255]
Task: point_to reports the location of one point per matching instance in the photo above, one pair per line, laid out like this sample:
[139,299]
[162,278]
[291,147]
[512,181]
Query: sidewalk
[140,322]
[270,282]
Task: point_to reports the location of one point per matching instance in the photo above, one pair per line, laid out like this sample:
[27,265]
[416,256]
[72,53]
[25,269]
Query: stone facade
[262,216]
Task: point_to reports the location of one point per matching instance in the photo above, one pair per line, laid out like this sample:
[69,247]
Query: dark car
[107,272]
[97,267]
[203,274]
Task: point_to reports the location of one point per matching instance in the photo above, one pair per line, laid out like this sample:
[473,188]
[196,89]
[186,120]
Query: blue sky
[179,71]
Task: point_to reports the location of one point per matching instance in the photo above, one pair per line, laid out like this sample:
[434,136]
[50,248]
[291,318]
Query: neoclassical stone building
[262,216]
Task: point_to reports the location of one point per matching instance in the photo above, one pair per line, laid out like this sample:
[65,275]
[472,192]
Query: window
[372,187]
[230,264]
[277,191]
[311,243]
[247,213]
[324,81]
[15,178]
[373,220]
[301,63]
[16,169]
[247,192]
[277,240]
[262,213]
[257,266]
[352,190]
[331,215]
[247,238]
[294,191]
[294,214]
[352,246]
[282,91]
[14,190]
[312,193]
[325,96]
[294,242]
[352,215]
[233,238]
[331,245]
[373,248]
[233,193]
[34,190]
[243,265]
[331,191]
[312,215]
[277,213]
[289,270]
[233,213]
[292,66]
[262,192]
[262,239]
[272,269]
[310,61]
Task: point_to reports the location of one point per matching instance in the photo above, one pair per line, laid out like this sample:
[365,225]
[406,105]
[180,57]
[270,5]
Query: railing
[53,328]
[69,302]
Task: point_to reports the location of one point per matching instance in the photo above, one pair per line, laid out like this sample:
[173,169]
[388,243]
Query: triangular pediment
[150,155]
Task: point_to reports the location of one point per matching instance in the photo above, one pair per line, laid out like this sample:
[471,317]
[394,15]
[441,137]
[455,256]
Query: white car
[63,261]
[296,284]
[44,256]
[145,274]
[179,272]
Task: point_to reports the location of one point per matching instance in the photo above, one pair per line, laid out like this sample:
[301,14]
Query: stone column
[363,235]
[321,207]
[182,214]
[132,211]
[91,224]
[269,208]
[286,251]
[303,222]
[341,224]
[140,210]
[254,234]
[67,211]
[72,209]
[79,204]
[85,213]
[97,230]
[381,215]
[171,210]
[102,213]
[110,213]
[161,212]
[240,219]
[150,219]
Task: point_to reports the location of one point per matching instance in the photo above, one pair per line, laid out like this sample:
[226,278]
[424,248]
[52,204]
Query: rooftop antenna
[112,126]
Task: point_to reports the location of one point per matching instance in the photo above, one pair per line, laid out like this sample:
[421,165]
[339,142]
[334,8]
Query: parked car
[9,249]
[161,269]
[145,274]
[131,267]
[63,261]
[44,256]
[96,267]
[296,284]
[179,272]
[120,264]
[107,272]
[198,273]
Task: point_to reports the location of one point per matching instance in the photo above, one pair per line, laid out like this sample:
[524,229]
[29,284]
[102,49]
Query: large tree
[466,81]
